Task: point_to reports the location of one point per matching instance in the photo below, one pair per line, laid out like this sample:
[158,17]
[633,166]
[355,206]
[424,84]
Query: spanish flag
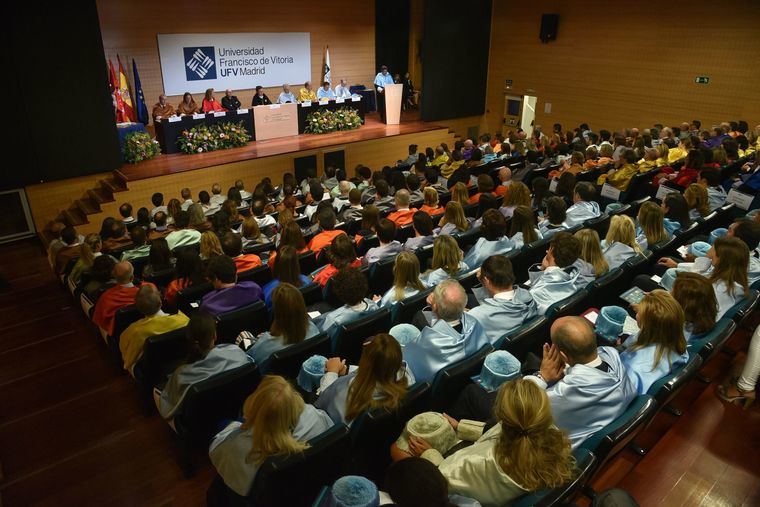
[116,94]
[129,112]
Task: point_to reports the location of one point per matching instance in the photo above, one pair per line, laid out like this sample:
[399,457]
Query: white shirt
[187,204]
[217,200]
[508,295]
[342,92]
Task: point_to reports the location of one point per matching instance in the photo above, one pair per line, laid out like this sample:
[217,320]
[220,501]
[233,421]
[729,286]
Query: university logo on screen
[199,63]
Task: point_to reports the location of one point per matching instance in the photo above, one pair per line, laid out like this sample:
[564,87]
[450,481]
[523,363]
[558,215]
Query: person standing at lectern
[306,93]
[342,91]
[260,99]
[187,106]
[382,79]
[230,102]
[210,104]
[162,109]
[325,92]
[286,96]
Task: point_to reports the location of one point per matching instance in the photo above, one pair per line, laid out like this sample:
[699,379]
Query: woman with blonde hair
[460,194]
[697,200]
[172,208]
[210,246]
[251,234]
[431,206]
[591,253]
[662,155]
[276,421]
[453,220]
[518,195]
[651,226]
[89,250]
[696,296]
[730,258]
[406,279]
[523,452]
[620,243]
[379,381]
[522,227]
[660,345]
[447,262]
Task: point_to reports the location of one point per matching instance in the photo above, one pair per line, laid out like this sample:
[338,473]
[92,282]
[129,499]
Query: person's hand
[689,257]
[453,422]
[376,298]
[417,446]
[552,366]
[159,117]
[667,261]
[335,365]
[544,263]
[672,176]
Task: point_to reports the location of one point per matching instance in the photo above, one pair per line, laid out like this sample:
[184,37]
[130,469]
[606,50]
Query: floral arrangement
[220,136]
[139,146]
[324,121]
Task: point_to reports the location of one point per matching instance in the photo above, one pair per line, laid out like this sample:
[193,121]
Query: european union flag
[142,109]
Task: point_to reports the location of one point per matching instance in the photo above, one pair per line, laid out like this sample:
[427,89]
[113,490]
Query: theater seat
[124,317]
[253,318]
[529,337]
[287,362]
[161,278]
[469,280]
[349,340]
[162,353]
[404,310]
[451,380]
[188,299]
[585,465]
[308,262]
[381,276]
[312,293]
[665,389]
[600,224]
[468,238]
[261,275]
[711,343]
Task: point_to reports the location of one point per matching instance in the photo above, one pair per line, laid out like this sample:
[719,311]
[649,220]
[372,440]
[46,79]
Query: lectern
[389,103]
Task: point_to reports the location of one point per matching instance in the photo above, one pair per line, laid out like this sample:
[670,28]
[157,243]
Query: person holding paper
[210,104]
[260,99]
[286,96]
[230,102]
[342,91]
[325,92]
[306,93]
[187,106]
[162,109]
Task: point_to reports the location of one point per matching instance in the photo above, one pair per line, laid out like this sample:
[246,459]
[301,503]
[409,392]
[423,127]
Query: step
[119,180]
[100,195]
[87,206]
[74,217]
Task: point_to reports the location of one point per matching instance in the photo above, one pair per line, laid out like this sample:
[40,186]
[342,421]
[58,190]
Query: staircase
[88,204]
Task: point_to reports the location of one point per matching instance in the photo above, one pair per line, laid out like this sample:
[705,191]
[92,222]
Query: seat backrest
[667,387]
[253,317]
[710,343]
[323,462]
[467,238]
[124,317]
[258,248]
[404,232]
[213,400]
[471,210]
[162,353]
[605,288]
[529,337]
[534,253]
[161,278]
[585,465]
[187,298]
[381,276]
[308,262]
[261,275]
[600,224]
[571,305]
[350,338]
[451,380]
[404,310]
[469,279]
[636,188]
[365,244]
[312,293]
[287,362]
[424,255]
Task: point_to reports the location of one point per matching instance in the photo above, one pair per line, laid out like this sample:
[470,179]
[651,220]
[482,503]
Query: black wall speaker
[549,26]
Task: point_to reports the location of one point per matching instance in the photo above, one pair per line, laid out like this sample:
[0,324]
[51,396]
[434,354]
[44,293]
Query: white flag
[327,66]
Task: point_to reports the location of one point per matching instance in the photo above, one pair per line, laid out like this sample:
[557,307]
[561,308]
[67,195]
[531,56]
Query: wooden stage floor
[373,128]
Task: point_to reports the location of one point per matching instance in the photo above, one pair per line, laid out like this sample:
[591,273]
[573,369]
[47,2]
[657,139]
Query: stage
[372,129]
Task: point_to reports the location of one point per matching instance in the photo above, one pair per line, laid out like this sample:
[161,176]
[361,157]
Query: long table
[303,109]
[168,130]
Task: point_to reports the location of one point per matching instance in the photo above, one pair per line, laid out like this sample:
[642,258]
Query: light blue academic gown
[330,322]
[548,232]
[671,226]
[223,357]
[587,399]
[333,399]
[484,249]
[433,278]
[586,273]
[500,316]
[439,345]
[716,197]
[417,242]
[753,271]
[616,253]
[580,212]
[389,298]
[325,94]
[230,448]
[381,252]
[518,240]
[266,345]
[381,81]
[446,229]
[640,368]
[725,299]
[553,285]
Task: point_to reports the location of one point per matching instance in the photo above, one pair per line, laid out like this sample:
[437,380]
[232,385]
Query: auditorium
[420,253]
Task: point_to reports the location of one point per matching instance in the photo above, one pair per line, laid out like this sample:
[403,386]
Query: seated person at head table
[210,104]
[447,333]
[587,385]
[558,277]
[349,286]
[379,381]
[162,109]
[342,90]
[230,102]
[325,92]
[187,106]
[503,306]
[306,93]
[286,96]
[228,295]
[260,98]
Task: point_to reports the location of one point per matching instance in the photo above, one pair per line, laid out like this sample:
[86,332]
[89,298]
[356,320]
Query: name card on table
[274,106]
[220,113]
[610,192]
[663,191]
[306,103]
[322,102]
[242,111]
[356,98]
[199,116]
[340,100]
[553,185]
[172,119]
[740,199]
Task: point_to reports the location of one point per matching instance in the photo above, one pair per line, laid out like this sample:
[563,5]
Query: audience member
[159,258]
[651,233]
[518,195]
[232,246]
[328,232]
[189,269]
[556,211]
[447,262]
[120,295]
[68,249]
[557,277]
[354,209]
[423,232]
[389,247]
[158,204]
[159,229]
[350,287]
[183,235]
[228,295]
[620,243]
[584,207]
[342,255]
[453,220]
[286,270]
[140,248]
[89,250]
[522,227]
[591,262]
[494,241]
[403,215]
[729,257]
[676,213]
[406,280]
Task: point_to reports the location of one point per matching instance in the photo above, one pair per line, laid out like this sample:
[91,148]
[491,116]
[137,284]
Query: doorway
[528,113]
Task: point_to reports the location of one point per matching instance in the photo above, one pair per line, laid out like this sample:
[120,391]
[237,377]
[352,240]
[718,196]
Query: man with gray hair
[217,199]
[448,334]
[340,201]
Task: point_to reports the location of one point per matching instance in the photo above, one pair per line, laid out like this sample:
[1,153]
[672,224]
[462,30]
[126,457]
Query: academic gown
[433,278]
[230,448]
[518,240]
[109,302]
[617,253]
[439,345]
[418,242]
[389,298]
[132,340]
[580,212]
[716,197]
[553,285]
[671,226]
[266,345]
[500,316]
[381,252]
[484,249]
[331,321]
[725,299]
[231,298]
[586,273]
[640,367]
